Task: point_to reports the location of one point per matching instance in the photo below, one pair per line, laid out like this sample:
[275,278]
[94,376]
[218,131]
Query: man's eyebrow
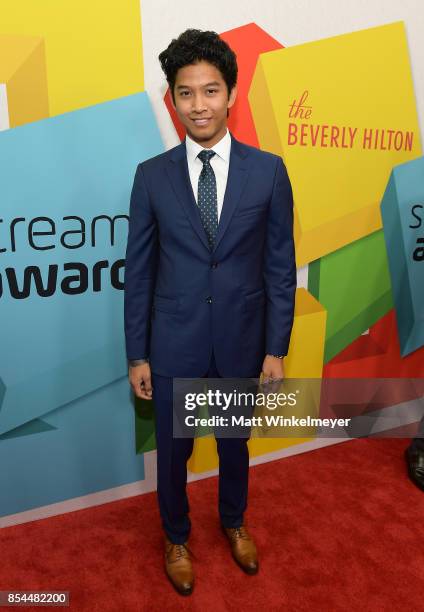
[207,85]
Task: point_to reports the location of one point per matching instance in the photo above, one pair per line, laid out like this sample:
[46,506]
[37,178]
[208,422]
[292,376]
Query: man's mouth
[203,121]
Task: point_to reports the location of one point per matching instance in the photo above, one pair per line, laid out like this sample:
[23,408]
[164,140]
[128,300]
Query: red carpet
[337,529]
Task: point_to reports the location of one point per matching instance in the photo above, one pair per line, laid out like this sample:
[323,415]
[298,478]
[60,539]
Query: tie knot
[205,155]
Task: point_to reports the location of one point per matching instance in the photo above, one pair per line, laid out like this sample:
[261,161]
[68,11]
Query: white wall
[4,111]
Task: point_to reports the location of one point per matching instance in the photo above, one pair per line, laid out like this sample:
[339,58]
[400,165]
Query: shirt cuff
[136,362]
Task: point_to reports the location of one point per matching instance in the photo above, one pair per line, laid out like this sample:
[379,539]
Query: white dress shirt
[219,162]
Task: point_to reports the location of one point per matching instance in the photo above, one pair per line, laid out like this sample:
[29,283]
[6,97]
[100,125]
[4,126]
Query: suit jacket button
[209,300]
[214,265]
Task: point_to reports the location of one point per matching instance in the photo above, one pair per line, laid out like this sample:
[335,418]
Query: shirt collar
[221,148]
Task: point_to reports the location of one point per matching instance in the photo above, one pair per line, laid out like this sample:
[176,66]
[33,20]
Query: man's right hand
[141,380]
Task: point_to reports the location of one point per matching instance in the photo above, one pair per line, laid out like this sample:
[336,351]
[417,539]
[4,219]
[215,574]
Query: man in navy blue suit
[210,281]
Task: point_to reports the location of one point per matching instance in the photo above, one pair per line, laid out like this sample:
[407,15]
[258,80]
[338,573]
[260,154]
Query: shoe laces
[182,550]
[239,532]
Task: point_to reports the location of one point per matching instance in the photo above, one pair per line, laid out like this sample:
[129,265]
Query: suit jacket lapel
[178,173]
[236,180]
[177,169]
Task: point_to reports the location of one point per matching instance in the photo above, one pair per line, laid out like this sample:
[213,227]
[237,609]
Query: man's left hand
[272,368]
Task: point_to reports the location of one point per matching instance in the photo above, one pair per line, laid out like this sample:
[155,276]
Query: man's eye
[212,90]
[184,92]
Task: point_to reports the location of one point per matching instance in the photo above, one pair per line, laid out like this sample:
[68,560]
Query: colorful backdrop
[338,95]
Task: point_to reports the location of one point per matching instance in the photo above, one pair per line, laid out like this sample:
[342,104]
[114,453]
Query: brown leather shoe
[243,549]
[178,566]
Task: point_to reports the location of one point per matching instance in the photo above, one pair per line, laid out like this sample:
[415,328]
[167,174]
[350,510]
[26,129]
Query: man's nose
[199,103]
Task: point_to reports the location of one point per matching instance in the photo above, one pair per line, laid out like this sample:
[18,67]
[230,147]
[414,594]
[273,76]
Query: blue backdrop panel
[66,413]
[402,210]
[87,446]
[58,347]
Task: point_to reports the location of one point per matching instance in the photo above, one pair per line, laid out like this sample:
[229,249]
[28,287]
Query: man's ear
[233,96]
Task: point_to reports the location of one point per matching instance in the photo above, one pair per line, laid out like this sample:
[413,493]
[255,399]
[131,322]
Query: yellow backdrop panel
[341,112]
[93,49]
[23,71]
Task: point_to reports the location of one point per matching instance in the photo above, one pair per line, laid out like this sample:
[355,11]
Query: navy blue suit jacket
[183,300]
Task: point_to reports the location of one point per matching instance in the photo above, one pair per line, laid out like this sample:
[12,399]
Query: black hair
[193,46]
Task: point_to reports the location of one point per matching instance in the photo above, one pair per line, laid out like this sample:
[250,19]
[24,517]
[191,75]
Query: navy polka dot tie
[206,196]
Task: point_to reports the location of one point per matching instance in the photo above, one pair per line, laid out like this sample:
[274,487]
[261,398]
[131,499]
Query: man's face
[201,102]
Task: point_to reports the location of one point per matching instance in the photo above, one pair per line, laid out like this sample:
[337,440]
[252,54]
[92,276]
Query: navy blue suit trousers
[172,457]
